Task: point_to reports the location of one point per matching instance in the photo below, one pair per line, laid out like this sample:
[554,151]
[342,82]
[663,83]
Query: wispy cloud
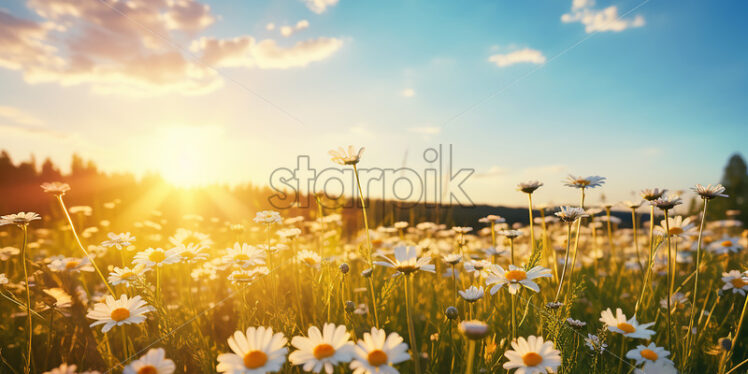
[596,20]
[19,116]
[319,6]
[526,55]
[290,30]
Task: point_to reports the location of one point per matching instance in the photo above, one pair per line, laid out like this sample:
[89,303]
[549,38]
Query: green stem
[566,261]
[470,358]
[532,232]
[696,278]
[80,245]
[651,258]
[368,244]
[407,282]
[669,281]
[25,230]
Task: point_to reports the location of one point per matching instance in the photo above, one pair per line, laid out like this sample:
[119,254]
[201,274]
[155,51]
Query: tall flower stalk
[351,157]
[649,195]
[22,220]
[666,203]
[568,215]
[529,188]
[706,193]
[58,189]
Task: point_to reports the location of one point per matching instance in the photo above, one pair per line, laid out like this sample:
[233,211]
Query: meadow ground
[570,293]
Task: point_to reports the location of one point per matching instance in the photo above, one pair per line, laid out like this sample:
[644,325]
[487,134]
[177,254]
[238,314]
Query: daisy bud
[452,313]
[474,330]
[350,306]
[553,305]
[367,273]
[344,268]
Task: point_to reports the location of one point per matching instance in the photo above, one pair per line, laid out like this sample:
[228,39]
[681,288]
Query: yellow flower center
[323,351]
[582,182]
[120,314]
[157,256]
[626,327]
[377,357]
[727,243]
[127,275]
[738,283]
[675,231]
[515,275]
[242,277]
[532,359]
[188,254]
[71,264]
[148,369]
[241,257]
[649,354]
[255,359]
[310,260]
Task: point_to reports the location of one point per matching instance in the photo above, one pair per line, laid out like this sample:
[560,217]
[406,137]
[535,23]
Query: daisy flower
[406,261]
[268,217]
[679,227]
[584,182]
[69,369]
[7,252]
[452,259]
[118,241]
[20,219]
[657,368]
[570,214]
[309,258]
[245,255]
[710,192]
[156,257]
[126,275]
[62,298]
[191,252]
[71,264]
[153,362]
[735,281]
[529,186]
[650,354]
[377,352]
[726,245]
[55,188]
[628,328]
[651,194]
[291,233]
[472,294]
[666,202]
[515,278]
[326,348]
[532,356]
[3,278]
[479,268]
[256,352]
[348,156]
[186,237]
[511,234]
[120,312]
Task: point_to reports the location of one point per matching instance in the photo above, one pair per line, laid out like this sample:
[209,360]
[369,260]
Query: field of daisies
[572,292]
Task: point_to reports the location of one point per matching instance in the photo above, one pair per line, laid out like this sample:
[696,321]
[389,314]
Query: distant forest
[20,191]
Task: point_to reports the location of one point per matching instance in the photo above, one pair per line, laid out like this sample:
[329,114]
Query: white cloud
[89,43]
[598,20]
[426,130]
[525,55]
[290,30]
[408,92]
[270,26]
[319,6]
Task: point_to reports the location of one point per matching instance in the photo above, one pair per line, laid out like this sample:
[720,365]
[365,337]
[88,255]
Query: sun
[187,155]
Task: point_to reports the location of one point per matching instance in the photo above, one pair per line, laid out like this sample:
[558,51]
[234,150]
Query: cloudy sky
[647,93]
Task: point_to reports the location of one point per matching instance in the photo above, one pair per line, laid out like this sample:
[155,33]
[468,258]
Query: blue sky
[659,101]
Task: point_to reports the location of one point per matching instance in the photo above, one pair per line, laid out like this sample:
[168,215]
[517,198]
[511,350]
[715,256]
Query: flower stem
[368,245]
[25,230]
[80,245]
[407,282]
[649,262]
[470,358]
[696,277]
[566,261]
[636,239]
[669,281]
[532,232]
